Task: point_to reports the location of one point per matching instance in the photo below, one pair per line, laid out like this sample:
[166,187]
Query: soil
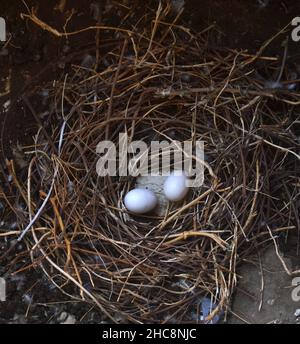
[265,292]
[33,57]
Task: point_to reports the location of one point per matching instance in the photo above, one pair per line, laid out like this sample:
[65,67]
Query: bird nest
[159,81]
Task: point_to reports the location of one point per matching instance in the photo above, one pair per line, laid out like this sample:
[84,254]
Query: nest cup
[159,82]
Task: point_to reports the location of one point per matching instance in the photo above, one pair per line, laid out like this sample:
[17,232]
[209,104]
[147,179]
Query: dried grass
[159,80]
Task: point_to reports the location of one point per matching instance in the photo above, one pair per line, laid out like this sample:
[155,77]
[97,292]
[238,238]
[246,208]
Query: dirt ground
[265,292]
[32,57]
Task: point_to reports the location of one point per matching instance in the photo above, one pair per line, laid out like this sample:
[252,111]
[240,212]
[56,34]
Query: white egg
[140,201]
[175,188]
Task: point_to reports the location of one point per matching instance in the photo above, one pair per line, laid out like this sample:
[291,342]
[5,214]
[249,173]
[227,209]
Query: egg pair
[142,201]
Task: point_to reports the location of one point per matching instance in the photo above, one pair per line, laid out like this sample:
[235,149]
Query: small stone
[62,317]
[297,313]
[66,318]
[6,105]
[27,299]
